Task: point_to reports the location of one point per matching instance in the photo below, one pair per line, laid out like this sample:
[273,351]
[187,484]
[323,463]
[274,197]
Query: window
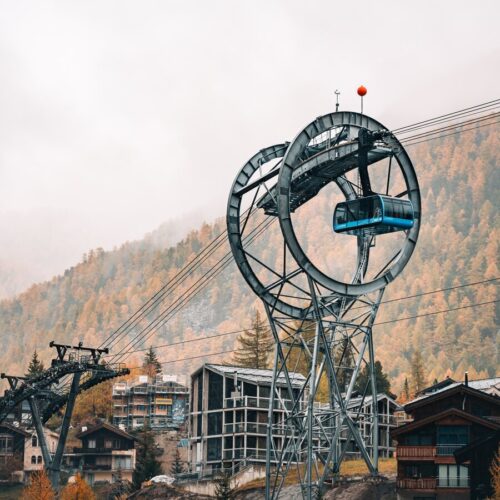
[453,476]
[249,389]
[215,392]
[91,443]
[108,443]
[6,444]
[123,463]
[117,444]
[33,459]
[34,441]
[214,449]
[39,459]
[214,423]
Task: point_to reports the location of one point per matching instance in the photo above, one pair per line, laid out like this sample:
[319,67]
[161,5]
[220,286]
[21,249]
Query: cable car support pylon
[321,289]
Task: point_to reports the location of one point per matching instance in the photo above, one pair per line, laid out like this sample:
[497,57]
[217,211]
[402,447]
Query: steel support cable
[440,290]
[451,115]
[160,294]
[446,128]
[482,112]
[452,133]
[189,294]
[434,131]
[443,311]
[174,309]
[138,315]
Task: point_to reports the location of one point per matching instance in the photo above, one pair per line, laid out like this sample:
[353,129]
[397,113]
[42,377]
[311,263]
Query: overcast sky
[118,115]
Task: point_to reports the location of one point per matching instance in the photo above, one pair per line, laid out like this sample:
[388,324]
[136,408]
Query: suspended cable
[380,323]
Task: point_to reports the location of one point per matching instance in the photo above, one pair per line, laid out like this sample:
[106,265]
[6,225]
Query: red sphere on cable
[362,91]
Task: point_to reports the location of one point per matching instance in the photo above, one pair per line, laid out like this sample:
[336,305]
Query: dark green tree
[223,489]
[147,464]
[35,367]
[177,464]
[255,345]
[382,381]
[418,380]
[344,363]
[406,390]
[151,364]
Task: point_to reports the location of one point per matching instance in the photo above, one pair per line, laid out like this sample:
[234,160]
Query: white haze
[118,115]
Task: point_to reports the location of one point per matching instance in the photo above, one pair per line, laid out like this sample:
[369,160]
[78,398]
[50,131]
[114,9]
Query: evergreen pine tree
[381,380]
[406,390]
[151,364]
[255,345]
[418,381]
[223,490]
[147,464]
[177,465]
[344,363]
[35,367]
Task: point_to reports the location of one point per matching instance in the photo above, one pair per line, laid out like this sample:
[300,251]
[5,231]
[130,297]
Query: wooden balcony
[423,483]
[415,452]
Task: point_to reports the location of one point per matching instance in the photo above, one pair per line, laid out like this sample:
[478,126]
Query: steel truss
[310,439]
[75,369]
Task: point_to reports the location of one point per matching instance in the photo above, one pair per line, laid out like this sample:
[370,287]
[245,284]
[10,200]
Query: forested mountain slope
[458,244]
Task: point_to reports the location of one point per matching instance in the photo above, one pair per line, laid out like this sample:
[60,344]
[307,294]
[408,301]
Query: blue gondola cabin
[372,215]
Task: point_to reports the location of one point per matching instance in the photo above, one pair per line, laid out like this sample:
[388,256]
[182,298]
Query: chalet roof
[475,387]
[438,386]
[108,427]
[451,411]
[13,428]
[354,402]
[257,376]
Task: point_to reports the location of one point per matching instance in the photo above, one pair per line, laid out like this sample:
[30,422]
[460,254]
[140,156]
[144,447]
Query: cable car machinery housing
[277,181]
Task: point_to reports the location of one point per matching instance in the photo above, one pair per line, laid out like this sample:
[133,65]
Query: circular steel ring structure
[242,182]
[291,169]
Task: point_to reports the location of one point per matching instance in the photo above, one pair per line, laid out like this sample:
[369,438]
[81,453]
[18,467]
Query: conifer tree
[223,490]
[406,390]
[255,345]
[151,364]
[344,363]
[177,465]
[418,381]
[381,380]
[147,464]
[38,488]
[35,367]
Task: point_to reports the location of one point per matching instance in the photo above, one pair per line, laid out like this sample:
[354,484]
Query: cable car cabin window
[373,215]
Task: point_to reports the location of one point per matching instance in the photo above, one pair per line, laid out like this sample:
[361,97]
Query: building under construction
[160,403]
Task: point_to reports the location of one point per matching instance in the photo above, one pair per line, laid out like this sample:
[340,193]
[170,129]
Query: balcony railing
[448,449]
[423,483]
[416,452]
[99,450]
[91,467]
[255,402]
[453,482]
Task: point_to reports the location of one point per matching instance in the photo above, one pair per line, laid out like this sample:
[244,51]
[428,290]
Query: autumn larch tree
[79,490]
[151,365]
[147,464]
[254,345]
[38,488]
[418,380]
[35,367]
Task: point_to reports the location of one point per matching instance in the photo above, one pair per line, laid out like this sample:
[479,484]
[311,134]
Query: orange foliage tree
[79,490]
[38,488]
